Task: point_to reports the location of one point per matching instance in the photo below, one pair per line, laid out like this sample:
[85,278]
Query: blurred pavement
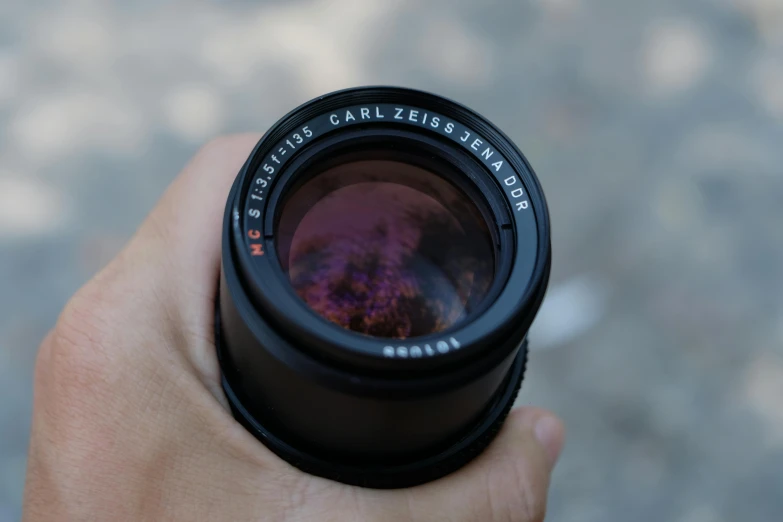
[656,128]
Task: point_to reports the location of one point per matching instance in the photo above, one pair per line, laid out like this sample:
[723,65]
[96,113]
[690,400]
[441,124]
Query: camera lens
[385,251]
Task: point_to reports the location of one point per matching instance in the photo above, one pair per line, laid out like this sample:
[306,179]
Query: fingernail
[549,432]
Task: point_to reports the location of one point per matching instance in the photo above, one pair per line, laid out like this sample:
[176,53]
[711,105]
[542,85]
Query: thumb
[509,481]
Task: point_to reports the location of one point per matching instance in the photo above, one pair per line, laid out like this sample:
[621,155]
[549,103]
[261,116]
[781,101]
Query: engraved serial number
[421,350]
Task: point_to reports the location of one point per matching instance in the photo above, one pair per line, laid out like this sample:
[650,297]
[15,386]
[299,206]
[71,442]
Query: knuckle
[219,147]
[43,360]
[75,355]
[75,373]
[223,155]
[217,144]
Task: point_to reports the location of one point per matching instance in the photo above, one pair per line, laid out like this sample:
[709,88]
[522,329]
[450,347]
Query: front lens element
[385,248]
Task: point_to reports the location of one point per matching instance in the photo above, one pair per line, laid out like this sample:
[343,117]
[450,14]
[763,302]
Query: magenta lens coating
[385,248]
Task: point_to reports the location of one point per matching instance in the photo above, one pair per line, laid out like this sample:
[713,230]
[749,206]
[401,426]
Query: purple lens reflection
[385,249]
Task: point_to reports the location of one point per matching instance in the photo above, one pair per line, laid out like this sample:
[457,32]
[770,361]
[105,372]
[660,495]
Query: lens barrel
[385,251]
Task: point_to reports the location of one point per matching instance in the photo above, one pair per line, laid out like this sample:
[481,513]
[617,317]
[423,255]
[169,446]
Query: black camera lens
[385,251]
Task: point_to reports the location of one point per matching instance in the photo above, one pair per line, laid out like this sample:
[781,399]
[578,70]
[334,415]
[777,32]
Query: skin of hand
[130,423]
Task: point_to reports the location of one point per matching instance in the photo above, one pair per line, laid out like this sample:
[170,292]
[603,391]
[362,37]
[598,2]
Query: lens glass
[385,248]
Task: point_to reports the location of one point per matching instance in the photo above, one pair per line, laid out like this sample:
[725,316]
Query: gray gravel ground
[656,128]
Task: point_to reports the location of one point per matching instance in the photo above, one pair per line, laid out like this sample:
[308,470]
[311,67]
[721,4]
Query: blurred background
[656,128]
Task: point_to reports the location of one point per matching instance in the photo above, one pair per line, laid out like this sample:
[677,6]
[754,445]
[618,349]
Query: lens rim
[516,303]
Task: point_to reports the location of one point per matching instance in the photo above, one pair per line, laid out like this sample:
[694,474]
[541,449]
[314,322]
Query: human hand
[130,422]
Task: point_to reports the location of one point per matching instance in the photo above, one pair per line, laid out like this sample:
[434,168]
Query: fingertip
[547,429]
[550,433]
